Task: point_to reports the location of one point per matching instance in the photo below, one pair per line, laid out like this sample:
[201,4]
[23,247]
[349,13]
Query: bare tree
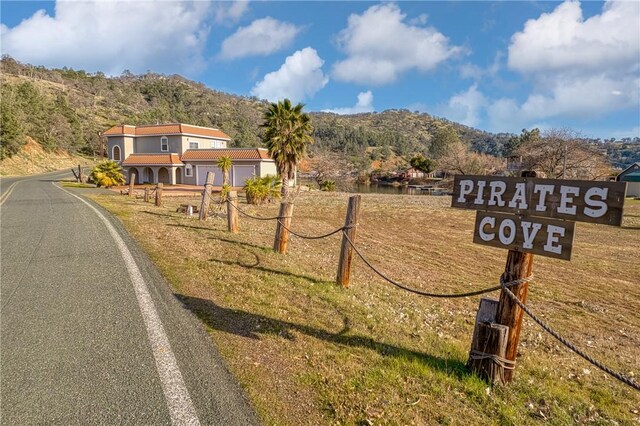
[458,159]
[324,165]
[562,153]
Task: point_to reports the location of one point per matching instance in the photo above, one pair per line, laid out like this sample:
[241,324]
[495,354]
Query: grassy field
[309,352]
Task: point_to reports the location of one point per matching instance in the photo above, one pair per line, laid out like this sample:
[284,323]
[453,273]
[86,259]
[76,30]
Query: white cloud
[364,104]
[563,41]
[466,107]
[298,78]
[262,37]
[380,46]
[419,20]
[113,36]
[583,98]
[230,12]
[419,107]
[633,132]
[472,71]
[475,72]
[504,116]
[579,68]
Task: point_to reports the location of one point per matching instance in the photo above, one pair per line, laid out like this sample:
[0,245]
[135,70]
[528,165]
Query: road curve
[90,333]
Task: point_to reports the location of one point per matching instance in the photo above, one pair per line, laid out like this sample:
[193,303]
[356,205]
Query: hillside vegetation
[67,109]
[33,159]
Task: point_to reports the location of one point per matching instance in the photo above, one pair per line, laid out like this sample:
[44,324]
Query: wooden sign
[546,237]
[576,200]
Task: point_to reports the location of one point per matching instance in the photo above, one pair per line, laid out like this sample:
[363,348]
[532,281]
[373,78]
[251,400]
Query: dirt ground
[32,159]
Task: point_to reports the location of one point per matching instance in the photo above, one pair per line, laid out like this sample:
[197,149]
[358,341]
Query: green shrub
[259,190]
[107,173]
[224,192]
[328,185]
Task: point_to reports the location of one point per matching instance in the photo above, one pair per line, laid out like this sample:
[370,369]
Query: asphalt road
[90,333]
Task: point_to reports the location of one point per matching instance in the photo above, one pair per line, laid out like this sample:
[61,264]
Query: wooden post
[206,196]
[79,173]
[159,194]
[519,265]
[132,181]
[281,241]
[232,212]
[486,313]
[146,194]
[488,339]
[346,251]
[491,340]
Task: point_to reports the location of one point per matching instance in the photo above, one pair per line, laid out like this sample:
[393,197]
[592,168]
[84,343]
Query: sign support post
[519,266]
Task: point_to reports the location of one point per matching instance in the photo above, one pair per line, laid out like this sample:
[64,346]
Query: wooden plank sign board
[546,237]
[575,200]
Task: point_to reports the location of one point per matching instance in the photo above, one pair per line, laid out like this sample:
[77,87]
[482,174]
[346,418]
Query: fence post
[346,251]
[491,339]
[232,211]
[80,174]
[146,194]
[132,180]
[206,196]
[282,234]
[488,339]
[159,194]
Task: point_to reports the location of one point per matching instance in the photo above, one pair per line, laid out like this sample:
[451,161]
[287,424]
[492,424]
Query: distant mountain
[67,109]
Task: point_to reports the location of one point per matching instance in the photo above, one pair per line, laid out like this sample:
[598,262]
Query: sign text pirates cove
[536,215]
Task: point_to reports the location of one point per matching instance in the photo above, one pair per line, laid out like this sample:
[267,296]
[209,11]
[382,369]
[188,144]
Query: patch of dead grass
[308,352]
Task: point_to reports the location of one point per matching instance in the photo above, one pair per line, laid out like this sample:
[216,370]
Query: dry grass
[33,159]
[308,352]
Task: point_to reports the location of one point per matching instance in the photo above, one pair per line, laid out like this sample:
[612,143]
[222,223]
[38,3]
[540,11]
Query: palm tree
[224,164]
[288,131]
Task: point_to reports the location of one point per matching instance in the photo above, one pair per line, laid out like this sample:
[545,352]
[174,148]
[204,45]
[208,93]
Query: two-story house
[182,154]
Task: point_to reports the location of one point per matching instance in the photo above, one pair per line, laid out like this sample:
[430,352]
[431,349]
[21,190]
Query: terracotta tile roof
[166,129]
[234,153]
[120,130]
[152,159]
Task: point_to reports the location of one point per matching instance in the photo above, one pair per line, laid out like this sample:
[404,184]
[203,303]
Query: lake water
[372,189]
[384,189]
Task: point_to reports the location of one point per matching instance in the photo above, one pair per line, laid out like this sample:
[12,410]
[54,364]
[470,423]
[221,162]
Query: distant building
[182,154]
[412,173]
[631,175]
[514,163]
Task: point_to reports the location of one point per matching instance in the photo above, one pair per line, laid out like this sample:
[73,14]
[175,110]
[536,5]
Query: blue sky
[497,66]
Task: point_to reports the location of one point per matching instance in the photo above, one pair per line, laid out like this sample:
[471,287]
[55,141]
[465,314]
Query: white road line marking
[175,391]
[5,196]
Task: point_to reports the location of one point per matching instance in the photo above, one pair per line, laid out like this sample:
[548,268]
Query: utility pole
[564,167]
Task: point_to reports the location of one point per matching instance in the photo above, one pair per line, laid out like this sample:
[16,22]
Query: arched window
[188,171]
[164,144]
[115,156]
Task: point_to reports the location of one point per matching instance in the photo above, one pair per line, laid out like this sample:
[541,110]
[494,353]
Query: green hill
[67,109]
